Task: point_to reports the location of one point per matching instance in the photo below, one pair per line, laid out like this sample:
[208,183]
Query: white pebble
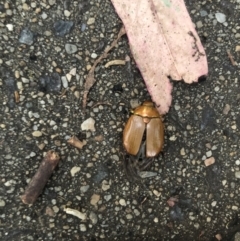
[213,203]
[74,170]
[37,133]
[221,18]
[9,27]
[93,55]
[122,202]
[88,124]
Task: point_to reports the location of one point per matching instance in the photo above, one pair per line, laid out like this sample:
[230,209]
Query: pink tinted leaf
[164,43]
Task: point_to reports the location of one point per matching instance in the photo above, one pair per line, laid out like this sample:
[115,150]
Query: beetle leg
[131,171]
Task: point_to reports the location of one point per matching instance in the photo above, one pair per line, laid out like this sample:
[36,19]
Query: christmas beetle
[143,135]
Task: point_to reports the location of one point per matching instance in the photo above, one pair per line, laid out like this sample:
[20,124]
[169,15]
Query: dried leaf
[164,43]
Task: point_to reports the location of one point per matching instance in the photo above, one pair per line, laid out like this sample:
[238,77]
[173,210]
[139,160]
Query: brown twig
[41,177]
[231,58]
[90,80]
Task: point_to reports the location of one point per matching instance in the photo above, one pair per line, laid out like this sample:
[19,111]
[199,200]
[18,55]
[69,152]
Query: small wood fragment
[115,62]
[75,213]
[17,97]
[90,80]
[74,141]
[41,177]
[231,57]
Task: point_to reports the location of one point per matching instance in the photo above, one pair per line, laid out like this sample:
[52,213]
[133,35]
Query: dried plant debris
[41,177]
[74,141]
[179,205]
[153,27]
[90,80]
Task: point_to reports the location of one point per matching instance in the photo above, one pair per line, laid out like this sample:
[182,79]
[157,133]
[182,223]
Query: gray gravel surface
[41,42]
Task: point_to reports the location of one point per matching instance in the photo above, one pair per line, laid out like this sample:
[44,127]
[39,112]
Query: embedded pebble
[26,37]
[91,21]
[93,217]
[64,82]
[226,109]
[83,227]
[122,202]
[75,170]
[182,152]
[95,199]
[71,48]
[213,203]
[84,189]
[37,133]
[221,18]
[237,174]
[209,161]
[2,203]
[93,56]
[61,28]
[105,185]
[107,197]
[88,124]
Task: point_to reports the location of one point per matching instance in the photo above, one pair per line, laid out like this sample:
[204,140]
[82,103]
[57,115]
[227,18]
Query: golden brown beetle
[143,136]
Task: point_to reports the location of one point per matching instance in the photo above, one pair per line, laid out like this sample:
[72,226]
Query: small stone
[2,203]
[61,28]
[237,35]
[226,109]
[26,37]
[234,207]
[37,133]
[208,219]
[136,212]
[209,161]
[105,185]
[88,124]
[237,162]
[155,220]
[84,189]
[9,27]
[177,107]
[91,21]
[209,153]
[94,199]
[73,71]
[157,193]
[64,82]
[107,197]
[182,152]
[221,18]
[237,174]
[44,15]
[71,48]
[213,203]
[93,217]
[67,13]
[199,24]
[74,170]
[83,227]
[122,202]
[93,55]
[51,2]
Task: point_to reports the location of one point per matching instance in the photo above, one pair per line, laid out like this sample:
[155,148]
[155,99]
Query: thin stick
[90,80]
[41,177]
[231,57]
